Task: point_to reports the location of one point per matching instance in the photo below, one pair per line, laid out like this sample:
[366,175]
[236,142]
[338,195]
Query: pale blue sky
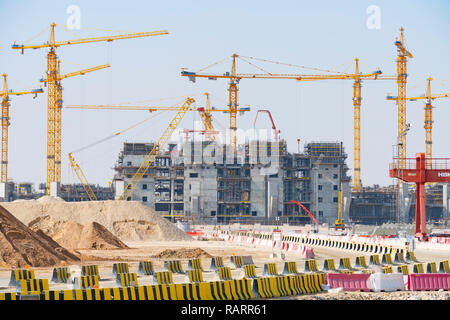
[321,34]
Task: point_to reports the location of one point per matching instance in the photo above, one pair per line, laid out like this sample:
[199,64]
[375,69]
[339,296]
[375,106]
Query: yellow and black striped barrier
[195,264]
[60,275]
[311,266]
[361,262]
[224,273]
[418,268]
[90,270]
[399,258]
[367,271]
[250,271]
[194,275]
[214,290]
[145,268]
[374,260]
[387,259]
[411,257]
[85,282]
[344,263]
[162,277]
[444,267]
[121,267]
[7,296]
[126,280]
[403,269]
[329,265]
[173,266]
[431,267]
[388,269]
[237,261]
[290,267]
[307,283]
[20,274]
[270,269]
[216,262]
[32,286]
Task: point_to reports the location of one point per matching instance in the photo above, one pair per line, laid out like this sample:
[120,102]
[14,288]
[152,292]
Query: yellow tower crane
[357,78]
[428,117]
[235,78]
[54,92]
[57,119]
[402,58]
[205,112]
[5,122]
[151,157]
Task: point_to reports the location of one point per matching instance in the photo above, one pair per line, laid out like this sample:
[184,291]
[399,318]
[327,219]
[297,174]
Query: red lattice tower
[420,171]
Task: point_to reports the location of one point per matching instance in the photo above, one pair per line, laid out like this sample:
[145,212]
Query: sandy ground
[142,250]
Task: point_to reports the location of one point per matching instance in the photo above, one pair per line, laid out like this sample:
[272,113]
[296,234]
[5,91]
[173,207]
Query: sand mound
[21,246]
[182,253]
[128,220]
[73,235]
[47,224]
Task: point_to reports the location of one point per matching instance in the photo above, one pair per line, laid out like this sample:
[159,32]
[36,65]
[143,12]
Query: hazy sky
[319,34]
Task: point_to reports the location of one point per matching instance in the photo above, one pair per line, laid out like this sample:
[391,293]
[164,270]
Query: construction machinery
[307,211]
[414,170]
[5,122]
[54,92]
[357,78]
[428,117]
[205,112]
[234,79]
[150,158]
[276,132]
[82,178]
[402,58]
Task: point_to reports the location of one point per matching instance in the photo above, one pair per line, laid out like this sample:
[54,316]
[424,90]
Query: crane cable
[118,133]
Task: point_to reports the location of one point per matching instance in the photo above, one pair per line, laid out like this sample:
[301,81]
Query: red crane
[420,171]
[274,128]
[304,208]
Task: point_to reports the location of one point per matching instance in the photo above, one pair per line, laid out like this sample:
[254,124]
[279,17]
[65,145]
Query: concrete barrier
[311,266]
[386,282]
[85,282]
[173,266]
[403,270]
[361,262]
[418,268]
[444,267]
[422,282]
[374,260]
[60,275]
[290,267]
[349,282]
[270,269]
[20,274]
[90,270]
[145,268]
[121,267]
[431,267]
[195,264]
[216,262]
[126,280]
[194,275]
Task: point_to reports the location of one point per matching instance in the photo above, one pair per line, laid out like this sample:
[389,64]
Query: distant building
[199,180]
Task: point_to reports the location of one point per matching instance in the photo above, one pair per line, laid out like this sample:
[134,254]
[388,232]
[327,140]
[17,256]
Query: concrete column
[119,186]
[404,202]
[54,189]
[445,201]
[4,191]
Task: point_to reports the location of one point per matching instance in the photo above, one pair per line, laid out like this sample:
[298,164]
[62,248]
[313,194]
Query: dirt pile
[128,220]
[73,235]
[183,253]
[21,246]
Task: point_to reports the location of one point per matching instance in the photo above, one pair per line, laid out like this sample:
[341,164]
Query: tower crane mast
[54,92]
[5,122]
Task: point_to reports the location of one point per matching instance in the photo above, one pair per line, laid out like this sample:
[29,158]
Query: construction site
[199,210]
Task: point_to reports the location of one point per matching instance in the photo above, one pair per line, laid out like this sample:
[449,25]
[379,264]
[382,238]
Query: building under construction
[198,180]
